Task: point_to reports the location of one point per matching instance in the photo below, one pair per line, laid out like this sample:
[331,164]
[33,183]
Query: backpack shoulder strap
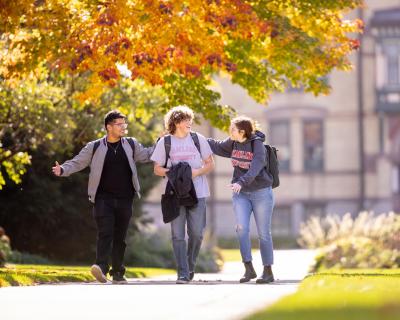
[132,144]
[95,146]
[196,140]
[266,146]
[167,146]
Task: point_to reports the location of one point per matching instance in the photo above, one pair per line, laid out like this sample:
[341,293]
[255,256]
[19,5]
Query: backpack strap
[167,146]
[266,150]
[130,141]
[96,145]
[132,144]
[196,140]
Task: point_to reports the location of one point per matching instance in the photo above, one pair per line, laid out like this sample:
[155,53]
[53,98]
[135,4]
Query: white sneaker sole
[98,274]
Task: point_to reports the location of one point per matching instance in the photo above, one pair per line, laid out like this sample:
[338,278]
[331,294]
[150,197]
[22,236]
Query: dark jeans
[112,218]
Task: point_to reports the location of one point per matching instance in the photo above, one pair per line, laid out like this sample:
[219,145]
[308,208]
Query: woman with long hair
[251,192]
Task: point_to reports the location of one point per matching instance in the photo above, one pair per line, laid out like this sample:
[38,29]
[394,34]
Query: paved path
[210,296]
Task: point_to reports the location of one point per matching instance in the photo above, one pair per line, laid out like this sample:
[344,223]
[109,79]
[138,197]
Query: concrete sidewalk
[209,296]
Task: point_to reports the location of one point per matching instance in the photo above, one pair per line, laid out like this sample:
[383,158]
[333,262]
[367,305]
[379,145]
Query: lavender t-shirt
[184,150]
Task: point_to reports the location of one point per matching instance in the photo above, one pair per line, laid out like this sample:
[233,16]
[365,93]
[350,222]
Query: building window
[388,63]
[393,70]
[313,146]
[282,221]
[280,138]
[392,53]
[314,210]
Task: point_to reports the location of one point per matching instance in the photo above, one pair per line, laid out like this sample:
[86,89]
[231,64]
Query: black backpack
[167,145]
[131,143]
[272,165]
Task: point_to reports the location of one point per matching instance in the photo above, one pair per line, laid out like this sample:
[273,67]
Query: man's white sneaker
[98,273]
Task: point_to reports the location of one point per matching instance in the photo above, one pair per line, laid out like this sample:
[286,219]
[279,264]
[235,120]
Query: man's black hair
[111,116]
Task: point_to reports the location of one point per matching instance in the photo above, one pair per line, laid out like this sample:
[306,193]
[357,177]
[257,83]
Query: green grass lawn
[341,295]
[230,255]
[25,275]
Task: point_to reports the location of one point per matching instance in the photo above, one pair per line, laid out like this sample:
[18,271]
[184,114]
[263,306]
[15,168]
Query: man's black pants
[112,218]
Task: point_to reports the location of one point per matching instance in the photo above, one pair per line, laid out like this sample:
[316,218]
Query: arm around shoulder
[222,148]
[143,154]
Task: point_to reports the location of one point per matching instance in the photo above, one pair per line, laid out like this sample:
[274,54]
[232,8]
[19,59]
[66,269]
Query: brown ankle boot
[249,272]
[267,276]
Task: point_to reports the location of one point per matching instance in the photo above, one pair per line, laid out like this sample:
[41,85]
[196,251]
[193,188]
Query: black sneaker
[98,273]
[182,280]
[191,275]
[118,278]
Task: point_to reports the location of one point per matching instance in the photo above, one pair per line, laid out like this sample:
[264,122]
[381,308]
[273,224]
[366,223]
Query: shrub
[5,249]
[210,259]
[367,241]
[280,242]
[27,258]
[154,249]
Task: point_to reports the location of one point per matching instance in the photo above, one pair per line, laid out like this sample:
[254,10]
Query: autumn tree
[261,44]
[176,46]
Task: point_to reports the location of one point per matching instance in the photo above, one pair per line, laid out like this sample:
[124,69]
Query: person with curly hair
[185,146]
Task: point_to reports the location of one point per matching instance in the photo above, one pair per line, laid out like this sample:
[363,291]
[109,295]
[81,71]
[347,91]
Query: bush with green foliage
[28,258]
[280,242]
[48,215]
[5,249]
[367,241]
[154,249]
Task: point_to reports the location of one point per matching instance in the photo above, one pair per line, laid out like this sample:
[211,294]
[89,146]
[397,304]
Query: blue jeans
[261,203]
[186,256]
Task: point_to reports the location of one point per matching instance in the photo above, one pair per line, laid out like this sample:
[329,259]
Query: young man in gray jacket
[113,182]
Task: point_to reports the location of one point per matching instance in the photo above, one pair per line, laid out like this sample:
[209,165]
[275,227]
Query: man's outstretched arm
[78,163]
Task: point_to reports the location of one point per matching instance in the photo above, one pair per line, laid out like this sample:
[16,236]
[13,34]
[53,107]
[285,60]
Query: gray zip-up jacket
[86,158]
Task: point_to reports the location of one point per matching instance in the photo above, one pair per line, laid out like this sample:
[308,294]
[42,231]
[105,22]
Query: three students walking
[184,158]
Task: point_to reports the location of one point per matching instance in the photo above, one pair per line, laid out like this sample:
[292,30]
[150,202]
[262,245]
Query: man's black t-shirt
[116,177]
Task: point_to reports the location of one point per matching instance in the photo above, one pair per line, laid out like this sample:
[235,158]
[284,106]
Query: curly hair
[177,115]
